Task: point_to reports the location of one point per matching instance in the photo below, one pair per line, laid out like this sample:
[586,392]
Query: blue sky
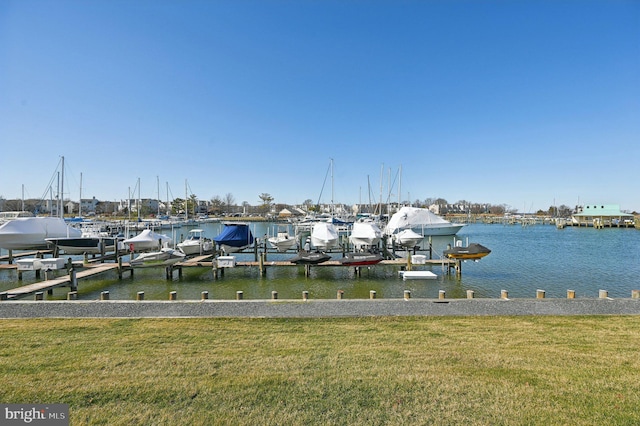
[523,103]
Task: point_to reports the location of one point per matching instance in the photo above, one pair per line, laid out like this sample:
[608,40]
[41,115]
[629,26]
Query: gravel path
[316,308]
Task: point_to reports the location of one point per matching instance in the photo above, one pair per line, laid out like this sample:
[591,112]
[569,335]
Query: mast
[158,184]
[186,202]
[62,190]
[333,210]
[80,200]
[139,200]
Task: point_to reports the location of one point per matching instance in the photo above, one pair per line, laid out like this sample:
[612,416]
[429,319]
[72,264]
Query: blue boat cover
[235,236]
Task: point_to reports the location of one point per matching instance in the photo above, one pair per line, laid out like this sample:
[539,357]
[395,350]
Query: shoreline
[287,308]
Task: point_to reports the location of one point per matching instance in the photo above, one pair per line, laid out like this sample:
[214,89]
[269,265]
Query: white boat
[30,233]
[324,236]
[147,240]
[408,238]
[234,237]
[421,221]
[163,257]
[283,241]
[365,234]
[196,243]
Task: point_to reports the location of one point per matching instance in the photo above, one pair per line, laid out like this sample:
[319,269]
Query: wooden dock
[69,280]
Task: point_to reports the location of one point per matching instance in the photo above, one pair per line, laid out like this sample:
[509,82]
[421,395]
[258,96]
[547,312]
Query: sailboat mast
[332,205]
[62,191]
[80,199]
[186,201]
[158,185]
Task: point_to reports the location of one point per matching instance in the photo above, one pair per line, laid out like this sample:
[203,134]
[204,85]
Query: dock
[69,280]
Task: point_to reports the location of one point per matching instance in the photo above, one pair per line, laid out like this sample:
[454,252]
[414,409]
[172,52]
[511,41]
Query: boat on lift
[164,257]
[196,243]
[408,238]
[234,237]
[282,241]
[361,259]
[310,258]
[473,251]
[31,233]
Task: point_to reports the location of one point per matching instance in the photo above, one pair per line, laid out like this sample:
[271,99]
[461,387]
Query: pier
[68,280]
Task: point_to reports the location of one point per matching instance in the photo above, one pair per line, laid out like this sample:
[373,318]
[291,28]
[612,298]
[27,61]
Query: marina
[523,260]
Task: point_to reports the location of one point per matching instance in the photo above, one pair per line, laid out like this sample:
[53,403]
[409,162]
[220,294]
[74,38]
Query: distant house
[608,215]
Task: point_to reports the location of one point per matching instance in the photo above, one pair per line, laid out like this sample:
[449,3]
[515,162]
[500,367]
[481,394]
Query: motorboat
[196,243]
[361,259]
[473,251]
[31,233]
[147,240]
[324,236]
[421,221]
[164,257]
[408,238]
[234,237]
[92,241]
[365,234]
[310,258]
[283,241]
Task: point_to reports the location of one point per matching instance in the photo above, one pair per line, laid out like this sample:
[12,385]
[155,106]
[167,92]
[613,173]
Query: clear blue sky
[523,103]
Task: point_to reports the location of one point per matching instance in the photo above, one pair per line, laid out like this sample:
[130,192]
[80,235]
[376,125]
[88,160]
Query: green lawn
[411,371]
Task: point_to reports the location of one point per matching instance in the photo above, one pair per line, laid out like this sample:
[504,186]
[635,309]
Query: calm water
[523,259]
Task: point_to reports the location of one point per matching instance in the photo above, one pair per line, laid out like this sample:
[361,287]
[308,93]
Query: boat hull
[30,233]
[361,259]
[312,258]
[472,252]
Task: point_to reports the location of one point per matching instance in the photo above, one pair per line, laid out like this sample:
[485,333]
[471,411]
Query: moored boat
[361,259]
[421,221]
[324,236]
[408,238]
[147,240]
[31,233]
[163,257]
[310,258]
[473,251]
[196,243]
[282,241]
[234,237]
[365,234]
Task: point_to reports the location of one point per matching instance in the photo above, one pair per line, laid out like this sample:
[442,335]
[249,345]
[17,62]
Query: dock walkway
[66,280]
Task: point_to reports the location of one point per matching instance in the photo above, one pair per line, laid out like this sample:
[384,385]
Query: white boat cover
[148,239]
[421,221]
[324,235]
[365,233]
[29,233]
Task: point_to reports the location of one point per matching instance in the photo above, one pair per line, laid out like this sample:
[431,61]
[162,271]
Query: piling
[441,294]
[39,295]
[104,295]
[173,295]
[635,294]
[204,295]
[274,295]
[504,294]
[407,295]
[72,295]
[340,294]
[571,294]
[73,279]
[305,295]
[140,296]
[372,294]
[239,295]
[470,294]
[603,294]
[540,294]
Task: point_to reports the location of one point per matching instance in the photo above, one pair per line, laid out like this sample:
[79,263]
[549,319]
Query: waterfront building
[601,215]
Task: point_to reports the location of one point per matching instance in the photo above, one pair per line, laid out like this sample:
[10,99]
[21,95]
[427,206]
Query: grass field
[366,371]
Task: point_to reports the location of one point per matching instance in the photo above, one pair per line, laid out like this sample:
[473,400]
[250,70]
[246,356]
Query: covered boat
[31,233]
[282,241]
[473,251]
[324,236]
[365,234]
[147,240]
[408,238]
[234,237]
[421,221]
[310,258]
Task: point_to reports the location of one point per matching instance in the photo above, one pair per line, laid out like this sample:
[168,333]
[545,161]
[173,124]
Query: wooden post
[173,295]
[307,270]
[274,295]
[204,295]
[305,295]
[19,275]
[635,294]
[72,295]
[140,296]
[504,294]
[104,295]
[571,294]
[458,268]
[408,260]
[430,248]
[239,295]
[470,294]
[407,294]
[441,294]
[372,294]
[74,280]
[540,294]
[39,295]
[10,257]
[603,294]
[119,267]
[340,294]
[261,264]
